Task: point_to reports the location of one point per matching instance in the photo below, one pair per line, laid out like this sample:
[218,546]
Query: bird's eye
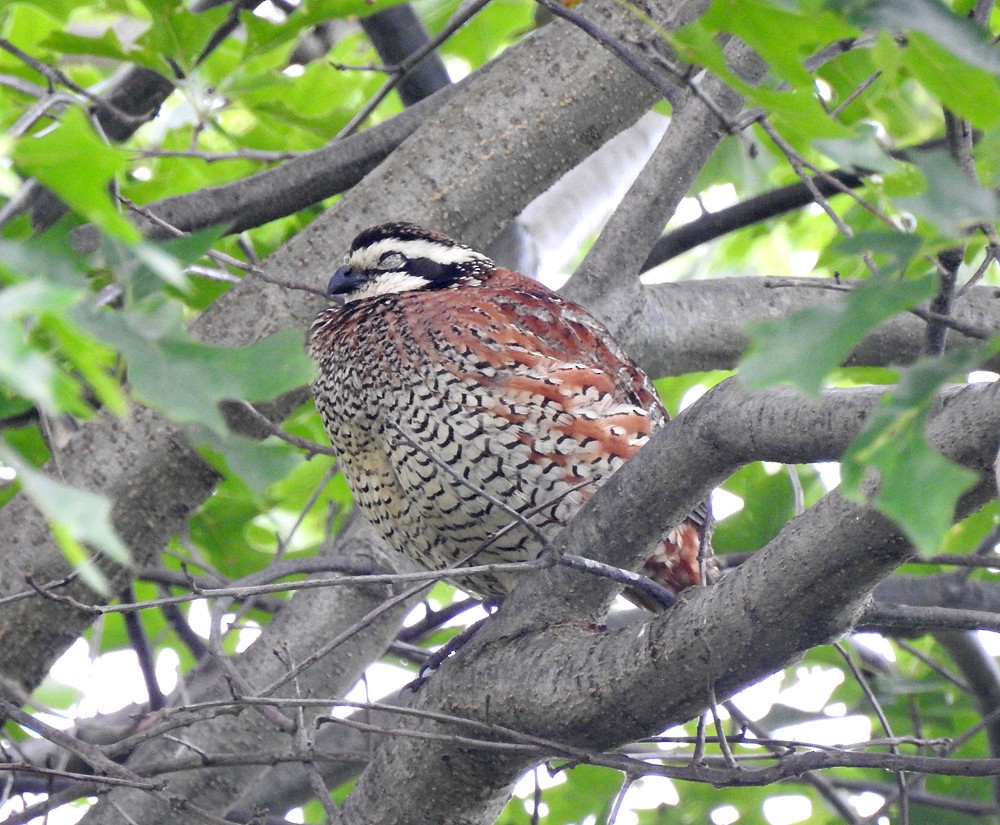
[392,260]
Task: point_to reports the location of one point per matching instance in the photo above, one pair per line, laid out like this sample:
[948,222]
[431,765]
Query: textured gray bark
[155,483]
[942,590]
[613,264]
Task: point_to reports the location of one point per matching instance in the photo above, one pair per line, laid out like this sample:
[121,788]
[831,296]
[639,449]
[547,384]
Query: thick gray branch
[701,325]
[942,590]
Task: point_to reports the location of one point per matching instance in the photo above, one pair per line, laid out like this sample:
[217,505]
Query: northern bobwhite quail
[434,350]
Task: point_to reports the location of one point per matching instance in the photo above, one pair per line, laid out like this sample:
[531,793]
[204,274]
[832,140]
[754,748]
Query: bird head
[403,257]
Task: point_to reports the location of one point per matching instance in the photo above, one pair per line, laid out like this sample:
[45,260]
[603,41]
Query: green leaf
[957,34]
[952,201]
[30,373]
[783,37]
[11,406]
[673,389]
[91,359]
[178,35]
[972,530]
[770,503]
[795,111]
[78,166]
[892,251]
[258,463]
[57,9]
[49,256]
[55,694]
[106,45]
[43,303]
[31,297]
[587,791]
[918,487]
[861,152]
[494,28]
[803,348]
[189,248]
[186,379]
[798,112]
[77,518]
[969,91]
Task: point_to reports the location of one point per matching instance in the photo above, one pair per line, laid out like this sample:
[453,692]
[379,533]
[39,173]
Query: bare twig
[859,677]
[311,447]
[90,754]
[968,330]
[458,20]
[144,654]
[862,87]
[262,155]
[636,581]
[221,257]
[56,77]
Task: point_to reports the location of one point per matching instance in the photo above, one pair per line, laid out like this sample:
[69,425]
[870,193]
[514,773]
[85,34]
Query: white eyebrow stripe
[418,248]
[386,284]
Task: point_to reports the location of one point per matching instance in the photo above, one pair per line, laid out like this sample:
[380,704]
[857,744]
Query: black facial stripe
[430,269]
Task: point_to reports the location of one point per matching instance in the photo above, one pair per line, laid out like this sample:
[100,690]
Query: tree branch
[752,623]
[613,264]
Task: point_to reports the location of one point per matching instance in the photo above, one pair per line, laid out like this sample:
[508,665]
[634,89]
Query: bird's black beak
[344,280]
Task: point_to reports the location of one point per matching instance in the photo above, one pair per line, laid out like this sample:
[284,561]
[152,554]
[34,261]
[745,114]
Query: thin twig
[56,77]
[992,250]
[968,330]
[859,677]
[937,667]
[262,155]
[860,90]
[221,257]
[311,447]
[40,108]
[398,71]
[423,576]
[723,741]
[91,754]
[782,749]
[636,581]
[144,654]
